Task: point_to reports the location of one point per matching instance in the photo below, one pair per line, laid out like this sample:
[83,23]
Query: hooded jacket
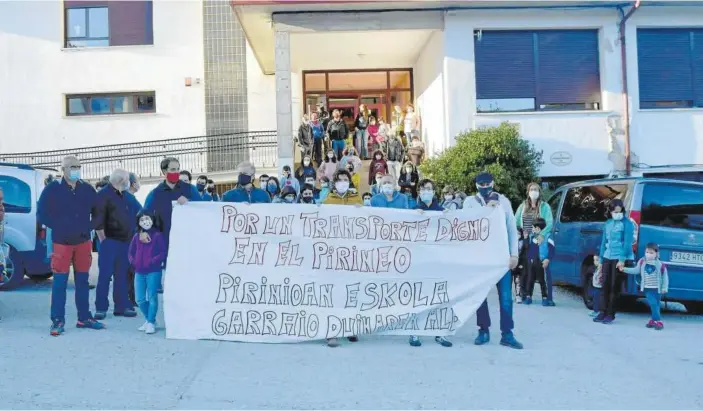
[377,166]
[348,198]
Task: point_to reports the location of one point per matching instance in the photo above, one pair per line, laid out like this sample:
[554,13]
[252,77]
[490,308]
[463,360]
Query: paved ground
[569,363]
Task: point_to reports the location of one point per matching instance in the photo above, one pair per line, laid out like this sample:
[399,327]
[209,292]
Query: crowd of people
[132,240]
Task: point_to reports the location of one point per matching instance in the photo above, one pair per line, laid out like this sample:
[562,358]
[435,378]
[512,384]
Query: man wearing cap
[485,197]
[245,192]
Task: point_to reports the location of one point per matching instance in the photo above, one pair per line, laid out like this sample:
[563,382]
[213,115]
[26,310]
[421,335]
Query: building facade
[88,73]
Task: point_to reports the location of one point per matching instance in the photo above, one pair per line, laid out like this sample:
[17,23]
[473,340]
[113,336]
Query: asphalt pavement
[568,362]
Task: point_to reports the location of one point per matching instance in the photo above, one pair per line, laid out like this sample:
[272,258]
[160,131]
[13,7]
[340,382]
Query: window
[670,65]
[118,103]
[673,205]
[548,70]
[87,27]
[18,195]
[554,203]
[95,23]
[589,203]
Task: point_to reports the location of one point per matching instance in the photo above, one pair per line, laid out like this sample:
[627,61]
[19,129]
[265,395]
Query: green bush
[513,161]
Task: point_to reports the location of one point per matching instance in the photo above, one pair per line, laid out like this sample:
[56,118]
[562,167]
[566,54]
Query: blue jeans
[146,291]
[654,301]
[505,299]
[338,147]
[58,296]
[112,261]
[596,299]
[548,275]
[362,143]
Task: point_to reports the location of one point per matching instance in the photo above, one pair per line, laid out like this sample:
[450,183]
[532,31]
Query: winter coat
[408,183]
[305,137]
[395,150]
[545,211]
[348,198]
[327,169]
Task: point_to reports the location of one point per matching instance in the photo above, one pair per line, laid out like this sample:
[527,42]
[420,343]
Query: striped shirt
[527,221]
[651,276]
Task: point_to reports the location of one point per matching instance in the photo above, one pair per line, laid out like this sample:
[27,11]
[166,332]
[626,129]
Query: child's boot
[659,326]
[651,324]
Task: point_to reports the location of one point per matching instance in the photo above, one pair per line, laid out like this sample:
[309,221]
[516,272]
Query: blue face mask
[244,180]
[427,196]
[271,188]
[201,187]
[74,175]
[485,191]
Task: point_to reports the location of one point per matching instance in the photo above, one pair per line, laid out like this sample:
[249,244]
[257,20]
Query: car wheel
[587,285]
[40,277]
[14,268]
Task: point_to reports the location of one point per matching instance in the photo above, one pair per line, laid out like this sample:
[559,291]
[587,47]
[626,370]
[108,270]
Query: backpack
[317,131]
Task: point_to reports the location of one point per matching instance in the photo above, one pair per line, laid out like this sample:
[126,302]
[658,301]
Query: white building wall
[429,93]
[666,136]
[261,95]
[36,73]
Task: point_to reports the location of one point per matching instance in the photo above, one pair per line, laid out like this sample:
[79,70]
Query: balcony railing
[199,155]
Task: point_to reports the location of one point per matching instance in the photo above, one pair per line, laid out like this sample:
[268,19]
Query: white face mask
[312,183]
[367,202]
[650,255]
[330,155]
[289,199]
[341,186]
[617,216]
[306,163]
[387,189]
[145,223]
[534,195]
[448,197]
[408,170]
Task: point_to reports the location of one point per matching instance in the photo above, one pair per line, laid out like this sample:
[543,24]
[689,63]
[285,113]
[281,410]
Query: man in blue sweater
[245,192]
[389,197]
[160,199]
[65,206]
[114,220]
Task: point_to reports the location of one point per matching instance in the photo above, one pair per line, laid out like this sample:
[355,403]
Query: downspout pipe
[625,90]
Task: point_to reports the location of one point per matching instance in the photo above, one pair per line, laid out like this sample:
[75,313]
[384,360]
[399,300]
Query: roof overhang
[260,18]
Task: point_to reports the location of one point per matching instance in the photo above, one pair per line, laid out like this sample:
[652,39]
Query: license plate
[687,258]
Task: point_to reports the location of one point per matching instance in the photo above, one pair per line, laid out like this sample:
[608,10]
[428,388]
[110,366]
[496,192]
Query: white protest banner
[287,273]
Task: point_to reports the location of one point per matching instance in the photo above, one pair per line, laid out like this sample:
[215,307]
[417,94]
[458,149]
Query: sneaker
[56,328]
[608,320]
[651,324]
[150,329]
[91,324]
[508,340]
[333,342]
[528,301]
[483,337]
[659,326]
[518,300]
[129,313]
[143,327]
[599,318]
[353,338]
[443,341]
[415,341]
[593,313]
[100,315]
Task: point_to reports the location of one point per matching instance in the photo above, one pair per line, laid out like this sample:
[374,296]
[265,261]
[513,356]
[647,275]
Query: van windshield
[589,203]
[673,205]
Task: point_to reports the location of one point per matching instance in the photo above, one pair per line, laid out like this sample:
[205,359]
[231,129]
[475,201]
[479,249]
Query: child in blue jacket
[539,253]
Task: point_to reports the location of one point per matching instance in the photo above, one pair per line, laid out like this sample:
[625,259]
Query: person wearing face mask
[310,181]
[378,165]
[372,129]
[485,186]
[337,132]
[355,177]
[201,186]
[350,157]
[654,282]
[245,192]
[325,187]
[160,200]
[305,170]
[263,181]
[411,122]
[114,223]
[615,251]
[211,190]
[416,151]
[329,167]
[427,201]
[395,152]
[398,124]
[287,179]
[540,251]
[185,176]
[147,254]
[533,208]
[305,138]
[342,194]
[361,134]
[366,197]
[273,188]
[448,200]
[66,207]
[389,197]
[408,181]
[318,136]
[307,194]
[288,196]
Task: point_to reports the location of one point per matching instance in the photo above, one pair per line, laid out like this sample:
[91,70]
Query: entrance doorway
[379,90]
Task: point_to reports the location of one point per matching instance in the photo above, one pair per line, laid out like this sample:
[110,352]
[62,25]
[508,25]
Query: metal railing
[199,155]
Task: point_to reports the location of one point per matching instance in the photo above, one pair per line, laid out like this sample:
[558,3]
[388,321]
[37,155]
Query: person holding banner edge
[485,186]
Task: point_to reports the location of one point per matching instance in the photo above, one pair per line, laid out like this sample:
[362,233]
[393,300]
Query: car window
[554,202]
[18,195]
[673,205]
[589,203]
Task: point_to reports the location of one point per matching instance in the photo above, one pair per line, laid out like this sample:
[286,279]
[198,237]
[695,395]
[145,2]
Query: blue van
[666,212]
[25,237]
